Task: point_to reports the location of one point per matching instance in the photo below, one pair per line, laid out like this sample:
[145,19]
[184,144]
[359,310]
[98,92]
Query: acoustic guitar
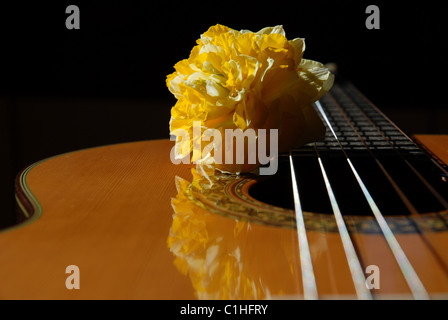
[362,214]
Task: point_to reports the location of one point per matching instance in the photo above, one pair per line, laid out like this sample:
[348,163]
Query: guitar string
[308,278]
[414,212]
[354,264]
[422,179]
[411,277]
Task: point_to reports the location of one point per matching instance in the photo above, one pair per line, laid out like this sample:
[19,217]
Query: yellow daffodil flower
[242,79]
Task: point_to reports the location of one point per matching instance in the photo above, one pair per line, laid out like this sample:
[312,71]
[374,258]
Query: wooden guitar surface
[108,211]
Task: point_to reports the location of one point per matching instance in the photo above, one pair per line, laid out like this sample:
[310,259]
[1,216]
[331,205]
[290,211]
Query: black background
[63,90]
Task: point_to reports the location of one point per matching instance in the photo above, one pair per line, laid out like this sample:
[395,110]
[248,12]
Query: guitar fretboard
[358,124]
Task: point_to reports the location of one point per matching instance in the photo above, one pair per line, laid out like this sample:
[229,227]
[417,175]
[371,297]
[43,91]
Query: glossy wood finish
[437,144]
[108,211]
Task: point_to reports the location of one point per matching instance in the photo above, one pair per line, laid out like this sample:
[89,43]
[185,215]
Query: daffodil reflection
[227,258]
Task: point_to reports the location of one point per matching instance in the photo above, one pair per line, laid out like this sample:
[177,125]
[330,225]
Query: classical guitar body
[136,227]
